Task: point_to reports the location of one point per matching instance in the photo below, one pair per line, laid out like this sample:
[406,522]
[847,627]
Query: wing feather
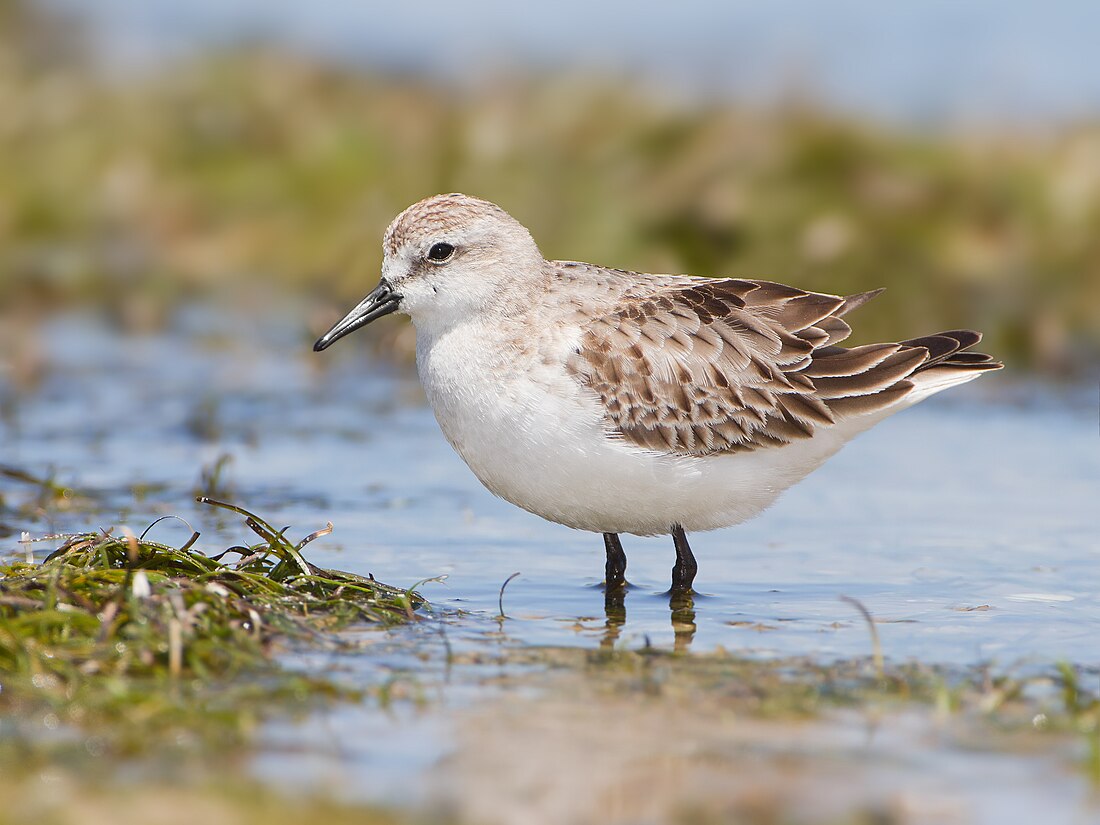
[702,366]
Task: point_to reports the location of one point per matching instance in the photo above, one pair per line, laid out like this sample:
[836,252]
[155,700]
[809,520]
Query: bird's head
[446,259]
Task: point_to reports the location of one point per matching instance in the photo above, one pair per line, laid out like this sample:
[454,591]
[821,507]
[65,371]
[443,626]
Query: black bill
[381,301]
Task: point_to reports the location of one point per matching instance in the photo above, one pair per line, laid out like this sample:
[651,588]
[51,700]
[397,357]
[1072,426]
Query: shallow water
[966,526]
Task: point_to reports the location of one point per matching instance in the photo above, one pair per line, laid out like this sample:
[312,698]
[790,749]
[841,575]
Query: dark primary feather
[696,367]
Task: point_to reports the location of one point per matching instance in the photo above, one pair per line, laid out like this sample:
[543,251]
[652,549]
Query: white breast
[534,437]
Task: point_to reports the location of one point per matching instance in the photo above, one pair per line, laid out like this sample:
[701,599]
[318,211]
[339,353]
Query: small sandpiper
[624,402]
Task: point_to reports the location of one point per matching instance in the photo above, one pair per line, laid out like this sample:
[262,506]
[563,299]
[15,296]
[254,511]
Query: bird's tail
[950,361]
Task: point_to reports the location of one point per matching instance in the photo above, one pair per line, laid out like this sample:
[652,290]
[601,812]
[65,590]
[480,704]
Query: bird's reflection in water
[614,607]
[681,606]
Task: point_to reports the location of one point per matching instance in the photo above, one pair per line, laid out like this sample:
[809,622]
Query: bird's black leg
[615,569]
[683,572]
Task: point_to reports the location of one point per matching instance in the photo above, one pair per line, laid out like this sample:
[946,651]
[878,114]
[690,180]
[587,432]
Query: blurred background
[156,154]
[191,191]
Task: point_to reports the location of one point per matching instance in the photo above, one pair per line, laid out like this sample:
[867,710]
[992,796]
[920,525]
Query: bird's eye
[440,252]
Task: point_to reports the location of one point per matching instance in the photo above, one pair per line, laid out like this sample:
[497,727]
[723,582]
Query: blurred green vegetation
[139,191]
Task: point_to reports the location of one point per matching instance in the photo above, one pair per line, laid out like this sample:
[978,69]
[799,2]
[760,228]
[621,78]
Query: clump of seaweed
[130,632]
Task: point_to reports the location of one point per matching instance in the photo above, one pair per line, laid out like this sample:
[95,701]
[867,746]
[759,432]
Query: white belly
[533,437]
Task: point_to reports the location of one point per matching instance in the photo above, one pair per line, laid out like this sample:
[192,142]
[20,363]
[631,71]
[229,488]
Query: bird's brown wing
[721,366]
